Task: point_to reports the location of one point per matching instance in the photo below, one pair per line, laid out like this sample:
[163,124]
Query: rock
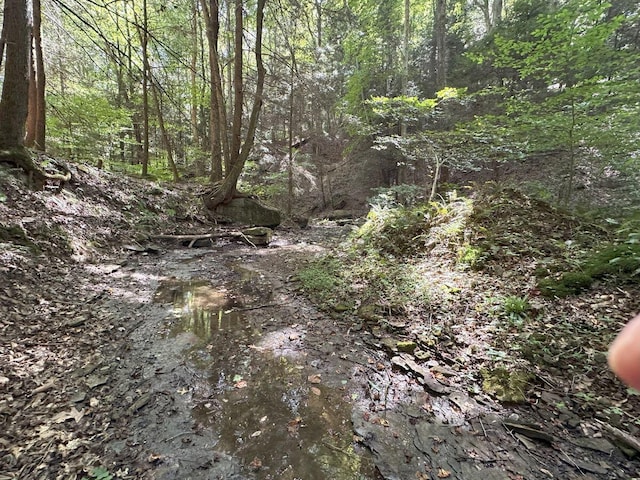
[343,307]
[249,211]
[406,346]
[598,444]
[258,235]
[506,386]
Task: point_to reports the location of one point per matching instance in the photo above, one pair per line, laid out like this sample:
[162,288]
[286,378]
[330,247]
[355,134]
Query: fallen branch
[190,238]
[624,437]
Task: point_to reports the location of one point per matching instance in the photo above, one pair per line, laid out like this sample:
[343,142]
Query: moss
[406,346]
[507,386]
[619,260]
[570,283]
[17,235]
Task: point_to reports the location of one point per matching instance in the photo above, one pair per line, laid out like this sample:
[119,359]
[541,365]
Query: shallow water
[256,391]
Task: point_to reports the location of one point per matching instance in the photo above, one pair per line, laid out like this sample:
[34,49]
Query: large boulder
[249,211]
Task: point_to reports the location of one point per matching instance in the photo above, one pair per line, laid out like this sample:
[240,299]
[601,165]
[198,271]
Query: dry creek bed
[216,366]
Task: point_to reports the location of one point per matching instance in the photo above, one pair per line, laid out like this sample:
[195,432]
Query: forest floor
[126,358]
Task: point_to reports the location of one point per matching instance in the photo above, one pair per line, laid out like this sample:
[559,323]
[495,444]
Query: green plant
[470,255]
[621,261]
[322,279]
[99,473]
[397,195]
[514,306]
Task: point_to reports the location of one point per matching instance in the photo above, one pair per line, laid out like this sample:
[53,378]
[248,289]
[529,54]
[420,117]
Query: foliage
[570,86]
[514,306]
[99,473]
[398,195]
[85,126]
[618,261]
[322,280]
[471,256]
[404,231]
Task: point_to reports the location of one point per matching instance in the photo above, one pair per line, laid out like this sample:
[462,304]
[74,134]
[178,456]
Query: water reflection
[260,403]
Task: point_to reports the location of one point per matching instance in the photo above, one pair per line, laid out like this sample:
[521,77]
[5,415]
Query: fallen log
[252,236]
[188,238]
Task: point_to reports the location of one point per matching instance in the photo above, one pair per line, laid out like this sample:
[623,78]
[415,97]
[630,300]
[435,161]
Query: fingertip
[624,354]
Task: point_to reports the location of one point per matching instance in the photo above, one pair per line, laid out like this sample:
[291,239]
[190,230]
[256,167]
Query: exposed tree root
[21,157]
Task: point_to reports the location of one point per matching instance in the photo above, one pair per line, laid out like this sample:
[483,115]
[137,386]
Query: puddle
[258,401]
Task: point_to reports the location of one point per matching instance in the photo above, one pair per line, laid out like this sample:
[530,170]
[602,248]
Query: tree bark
[41,119]
[163,131]
[440,34]
[238,84]
[15,88]
[217,127]
[144,41]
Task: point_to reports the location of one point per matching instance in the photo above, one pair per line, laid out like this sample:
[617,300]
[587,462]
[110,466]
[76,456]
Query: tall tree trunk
[440,34]
[15,88]
[30,135]
[225,191]
[238,84]
[212,20]
[496,10]
[163,131]
[405,59]
[290,139]
[145,89]
[41,119]
[195,134]
[36,118]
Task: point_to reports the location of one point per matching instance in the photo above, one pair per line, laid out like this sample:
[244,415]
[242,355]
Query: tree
[36,118]
[240,146]
[15,88]
[440,43]
[570,91]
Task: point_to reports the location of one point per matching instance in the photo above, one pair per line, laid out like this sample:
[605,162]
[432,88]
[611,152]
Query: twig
[337,449]
[483,430]
[572,462]
[246,239]
[176,436]
[256,307]
[628,439]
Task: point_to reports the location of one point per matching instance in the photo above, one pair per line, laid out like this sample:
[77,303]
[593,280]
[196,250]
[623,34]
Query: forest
[318,239]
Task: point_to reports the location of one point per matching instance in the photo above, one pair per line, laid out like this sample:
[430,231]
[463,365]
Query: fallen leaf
[315,378]
[294,425]
[316,391]
[241,384]
[71,414]
[442,473]
[256,464]
[257,433]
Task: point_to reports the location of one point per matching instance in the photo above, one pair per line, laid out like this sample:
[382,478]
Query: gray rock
[249,211]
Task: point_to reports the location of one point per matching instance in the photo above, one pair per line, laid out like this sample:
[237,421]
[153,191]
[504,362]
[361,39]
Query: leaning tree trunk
[224,191]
